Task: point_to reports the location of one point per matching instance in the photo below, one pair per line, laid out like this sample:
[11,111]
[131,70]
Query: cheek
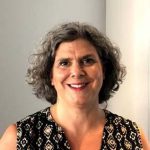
[58,77]
[97,72]
[98,76]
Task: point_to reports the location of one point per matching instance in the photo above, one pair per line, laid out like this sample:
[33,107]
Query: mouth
[78,86]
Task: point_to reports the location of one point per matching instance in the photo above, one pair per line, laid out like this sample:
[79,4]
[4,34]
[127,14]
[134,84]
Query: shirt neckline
[60,129]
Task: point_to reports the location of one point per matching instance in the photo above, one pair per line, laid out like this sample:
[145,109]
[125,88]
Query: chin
[80,102]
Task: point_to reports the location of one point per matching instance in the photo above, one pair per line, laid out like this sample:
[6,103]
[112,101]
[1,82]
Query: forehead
[79,47]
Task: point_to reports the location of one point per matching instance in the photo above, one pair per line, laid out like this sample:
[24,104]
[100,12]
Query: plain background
[127,23]
[23,23]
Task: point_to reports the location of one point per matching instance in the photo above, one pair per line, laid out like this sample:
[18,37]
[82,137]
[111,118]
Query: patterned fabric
[40,132]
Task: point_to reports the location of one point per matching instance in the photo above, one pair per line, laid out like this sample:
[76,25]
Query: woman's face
[77,73]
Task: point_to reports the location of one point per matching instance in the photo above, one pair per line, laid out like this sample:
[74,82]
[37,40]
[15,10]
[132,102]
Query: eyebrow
[82,57]
[87,56]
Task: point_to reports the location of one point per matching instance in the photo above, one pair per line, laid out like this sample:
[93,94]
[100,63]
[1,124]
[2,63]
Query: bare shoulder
[9,138]
[145,142]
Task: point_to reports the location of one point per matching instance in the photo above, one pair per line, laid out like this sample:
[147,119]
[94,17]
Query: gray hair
[40,69]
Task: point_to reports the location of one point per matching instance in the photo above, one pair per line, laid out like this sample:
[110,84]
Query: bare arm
[145,142]
[9,138]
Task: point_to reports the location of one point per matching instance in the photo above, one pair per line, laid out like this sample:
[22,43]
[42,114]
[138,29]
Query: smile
[78,86]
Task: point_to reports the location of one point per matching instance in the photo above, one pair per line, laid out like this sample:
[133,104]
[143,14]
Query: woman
[76,69]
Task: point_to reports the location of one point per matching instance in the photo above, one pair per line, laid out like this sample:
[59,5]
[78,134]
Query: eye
[64,63]
[88,61]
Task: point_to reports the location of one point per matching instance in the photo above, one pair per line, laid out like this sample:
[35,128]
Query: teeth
[77,85]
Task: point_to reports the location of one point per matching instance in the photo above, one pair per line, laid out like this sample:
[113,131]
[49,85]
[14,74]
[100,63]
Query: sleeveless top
[40,132]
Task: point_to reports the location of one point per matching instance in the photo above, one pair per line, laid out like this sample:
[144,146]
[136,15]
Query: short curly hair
[41,63]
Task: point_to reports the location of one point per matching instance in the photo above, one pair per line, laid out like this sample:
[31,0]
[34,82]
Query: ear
[51,79]
[52,83]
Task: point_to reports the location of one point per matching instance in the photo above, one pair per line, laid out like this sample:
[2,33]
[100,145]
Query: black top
[40,132]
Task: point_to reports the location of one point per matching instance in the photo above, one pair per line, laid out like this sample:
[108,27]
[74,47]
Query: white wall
[128,25]
[22,24]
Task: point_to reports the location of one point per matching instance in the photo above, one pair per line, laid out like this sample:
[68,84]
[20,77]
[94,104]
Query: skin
[77,77]
[77,64]
[9,138]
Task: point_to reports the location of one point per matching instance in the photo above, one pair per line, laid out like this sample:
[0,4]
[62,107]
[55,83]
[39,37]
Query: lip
[78,86]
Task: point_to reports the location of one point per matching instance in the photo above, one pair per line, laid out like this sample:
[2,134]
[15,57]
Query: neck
[77,119]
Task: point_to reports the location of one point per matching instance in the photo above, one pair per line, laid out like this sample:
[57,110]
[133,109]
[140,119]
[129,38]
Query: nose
[77,71]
